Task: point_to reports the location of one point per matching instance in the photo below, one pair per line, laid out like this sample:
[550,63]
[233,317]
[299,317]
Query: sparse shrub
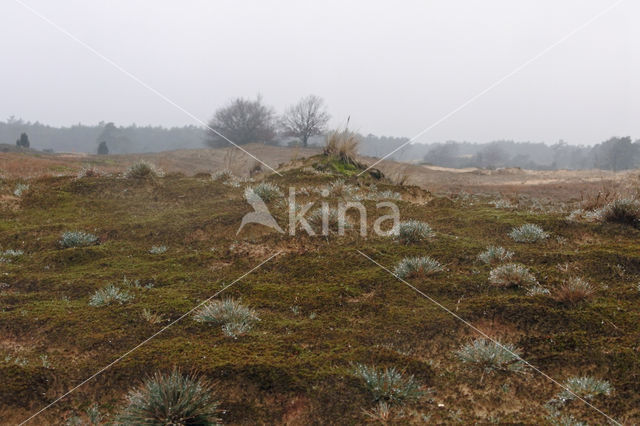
[235,319]
[412,231]
[489,356]
[77,239]
[528,233]
[538,290]
[624,210]
[20,189]
[108,295]
[171,399]
[158,249]
[493,255]
[511,275]
[573,291]
[143,170]
[585,387]
[389,384]
[265,190]
[556,418]
[417,267]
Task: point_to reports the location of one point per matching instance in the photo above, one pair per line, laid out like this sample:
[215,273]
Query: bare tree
[305,119]
[242,121]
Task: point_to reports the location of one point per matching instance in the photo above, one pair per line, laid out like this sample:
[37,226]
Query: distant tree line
[617,153]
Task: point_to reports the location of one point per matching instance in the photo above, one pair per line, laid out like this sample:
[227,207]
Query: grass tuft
[109,294]
[488,356]
[77,239]
[528,233]
[171,399]
[267,191]
[585,387]
[235,318]
[410,267]
[389,384]
[412,231]
[143,170]
[625,211]
[511,275]
[494,255]
[573,291]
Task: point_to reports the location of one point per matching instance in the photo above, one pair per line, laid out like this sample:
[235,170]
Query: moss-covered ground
[323,306]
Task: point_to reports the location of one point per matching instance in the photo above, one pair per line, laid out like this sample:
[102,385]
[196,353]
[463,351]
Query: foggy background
[394,68]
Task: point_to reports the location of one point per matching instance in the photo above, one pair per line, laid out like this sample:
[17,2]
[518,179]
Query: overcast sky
[395,67]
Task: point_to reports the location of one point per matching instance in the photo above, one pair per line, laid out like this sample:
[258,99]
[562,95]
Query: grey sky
[394,67]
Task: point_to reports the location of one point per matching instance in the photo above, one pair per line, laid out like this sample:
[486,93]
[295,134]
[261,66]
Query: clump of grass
[343,145]
[412,231]
[109,294]
[88,172]
[511,275]
[20,189]
[10,254]
[585,387]
[389,384]
[158,249]
[573,291]
[341,189]
[143,170]
[410,267]
[267,191]
[334,217]
[494,255]
[538,290]
[151,317]
[235,318]
[501,204]
[171,399]
[222,176]
[489,356]
[624,210]
[77,239]
[528,233]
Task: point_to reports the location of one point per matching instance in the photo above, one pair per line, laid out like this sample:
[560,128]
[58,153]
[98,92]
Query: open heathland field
[347,329]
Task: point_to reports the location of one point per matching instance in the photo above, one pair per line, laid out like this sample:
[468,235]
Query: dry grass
[573,291]
[342,144]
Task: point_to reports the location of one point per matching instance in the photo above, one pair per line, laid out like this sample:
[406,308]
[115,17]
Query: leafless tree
[305,119]
[242,121]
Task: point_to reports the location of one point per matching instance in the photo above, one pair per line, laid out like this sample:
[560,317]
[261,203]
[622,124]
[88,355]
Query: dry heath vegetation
[319,334]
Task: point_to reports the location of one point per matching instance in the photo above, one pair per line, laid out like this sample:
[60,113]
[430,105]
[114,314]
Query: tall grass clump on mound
[625,211]
[77,239]
[585,387]
[235,318]
[489,356]
[410,267]
[528,233]
[493,255]
[343,145]
[511,275]
[265,190]
[412,231]
[573,291]
[389,384]
[171,399]
[143,170]
[109,294]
